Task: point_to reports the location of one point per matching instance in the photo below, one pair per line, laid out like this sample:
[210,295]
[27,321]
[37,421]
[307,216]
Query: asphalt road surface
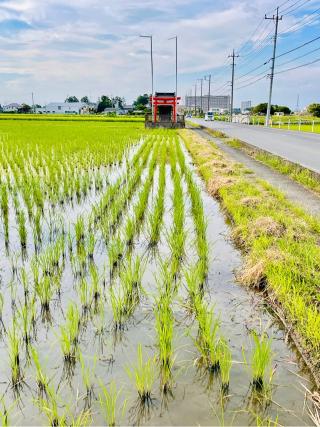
[298,147]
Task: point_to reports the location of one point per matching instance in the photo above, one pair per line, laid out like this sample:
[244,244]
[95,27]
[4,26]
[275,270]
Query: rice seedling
[79,230]
[14,354]
[41,378]
[87,374]
[164,329]
[83,419]
[130,280]
[49,405]
[143,376]
[22,229]
[115,252]
[109,398]
[44,290]
[91,245]
[193,277]
[69,334]
[130,231]
[1,313]
[95,282]
[207,339]
[225,363]
[4,205]
[85,294]
[261,357]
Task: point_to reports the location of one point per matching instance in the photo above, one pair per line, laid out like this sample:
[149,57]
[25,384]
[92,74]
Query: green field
[119,303]
[71,117]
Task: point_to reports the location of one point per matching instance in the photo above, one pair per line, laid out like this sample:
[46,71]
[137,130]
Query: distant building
[216,103]
[66,108]
[245,106]
[11,108]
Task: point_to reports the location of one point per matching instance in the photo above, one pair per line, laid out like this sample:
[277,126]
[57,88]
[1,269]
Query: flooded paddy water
[104,350]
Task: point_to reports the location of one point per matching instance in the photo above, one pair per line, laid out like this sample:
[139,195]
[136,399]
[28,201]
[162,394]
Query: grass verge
[304,176]
[280,241]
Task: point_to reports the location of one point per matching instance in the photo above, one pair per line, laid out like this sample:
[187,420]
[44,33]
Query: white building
[216,102]
[11,108]
[245,106]
[65,108]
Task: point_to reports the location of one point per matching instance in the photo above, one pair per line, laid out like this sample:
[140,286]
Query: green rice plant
[22,229]
[87,374]
[1,313]
[156,217]
[86,296]
[83,419]
[25,316]
[225,363]
[143,375]
[164,328]
[14,354]
[44,290]
[4,205]
[49,405]
[41,378]
[261,358]
[131,281]
[79,230]
[91,245]
[111,408]
[120,309]
[193,277]
[115,252]
[129,231]
[4,417]
[95,282]
[69,334]
[207,339]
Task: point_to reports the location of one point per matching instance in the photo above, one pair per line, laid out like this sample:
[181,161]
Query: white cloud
[92,47]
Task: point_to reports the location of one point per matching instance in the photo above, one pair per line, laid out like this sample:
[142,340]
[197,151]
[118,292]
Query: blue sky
[92,47]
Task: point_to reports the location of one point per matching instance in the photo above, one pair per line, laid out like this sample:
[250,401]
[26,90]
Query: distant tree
[25,108]
[117,100]
[85,99]
[71,99]
[142,100]
[103,103]
[281,109]
[314,109]
[260,108]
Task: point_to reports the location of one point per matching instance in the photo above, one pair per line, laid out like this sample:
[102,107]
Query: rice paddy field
[119,303]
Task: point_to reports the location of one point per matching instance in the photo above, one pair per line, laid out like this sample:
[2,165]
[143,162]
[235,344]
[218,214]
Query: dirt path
[293,191]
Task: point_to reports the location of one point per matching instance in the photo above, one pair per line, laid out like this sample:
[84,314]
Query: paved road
[298,147]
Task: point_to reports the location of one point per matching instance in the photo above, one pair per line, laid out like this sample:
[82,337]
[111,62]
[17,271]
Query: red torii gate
[165,99]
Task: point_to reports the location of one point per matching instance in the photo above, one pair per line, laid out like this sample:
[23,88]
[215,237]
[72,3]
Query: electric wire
[298,66]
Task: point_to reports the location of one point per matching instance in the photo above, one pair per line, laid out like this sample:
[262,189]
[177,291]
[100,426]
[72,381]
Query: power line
[299,57]
[298,66]
[298,47]
[249,84]
[290,10]
[301,24]
[254,69]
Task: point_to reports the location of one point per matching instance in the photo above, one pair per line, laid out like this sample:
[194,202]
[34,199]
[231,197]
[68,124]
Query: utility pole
[32,103]
[151,57]
[208,78]
[195,99]
[201,82]
[233,56]
[176,39]
[275,18]
[298,104]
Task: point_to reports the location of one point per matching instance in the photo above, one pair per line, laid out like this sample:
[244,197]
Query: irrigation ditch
[124,308]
